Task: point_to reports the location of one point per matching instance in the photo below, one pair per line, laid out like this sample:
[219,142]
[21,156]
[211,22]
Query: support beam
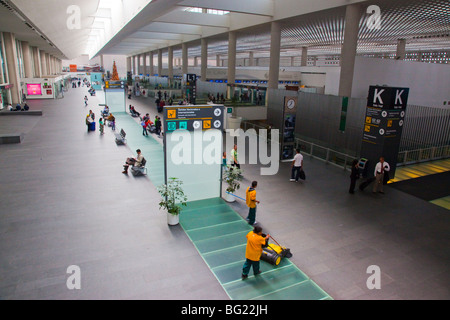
[401,49]
[275,45]
[231,58]
[204,59]
[304,62]
[352,17]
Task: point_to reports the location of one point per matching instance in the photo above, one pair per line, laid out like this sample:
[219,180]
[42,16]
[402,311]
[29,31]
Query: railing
[423,155]
[344,160]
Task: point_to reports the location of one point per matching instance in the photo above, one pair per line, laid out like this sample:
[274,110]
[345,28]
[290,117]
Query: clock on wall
[290,104]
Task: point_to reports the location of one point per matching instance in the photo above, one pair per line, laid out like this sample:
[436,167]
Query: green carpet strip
[218,233]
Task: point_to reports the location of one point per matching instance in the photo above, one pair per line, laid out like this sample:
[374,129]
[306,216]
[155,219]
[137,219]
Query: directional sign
[194,117]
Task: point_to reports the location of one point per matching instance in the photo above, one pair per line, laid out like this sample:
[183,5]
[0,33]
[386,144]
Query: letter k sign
[398,97]
[377,95]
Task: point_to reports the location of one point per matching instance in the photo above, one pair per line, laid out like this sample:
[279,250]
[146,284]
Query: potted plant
[232,176]
[172,200]
[234,122]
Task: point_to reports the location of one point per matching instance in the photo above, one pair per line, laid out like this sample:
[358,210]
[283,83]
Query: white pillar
[12,67]
[231,57]
[204,59]
[184,58]
[159,62]
[304,56]
[151,71]
[274,66]
[401,49]
[251,59]
[170,54]
[27,60]
[352,17]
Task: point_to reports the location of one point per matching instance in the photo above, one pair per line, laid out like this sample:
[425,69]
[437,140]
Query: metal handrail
[434,155]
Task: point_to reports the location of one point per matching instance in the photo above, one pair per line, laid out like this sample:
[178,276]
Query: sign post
[193,143]
[385,114]
[288,128]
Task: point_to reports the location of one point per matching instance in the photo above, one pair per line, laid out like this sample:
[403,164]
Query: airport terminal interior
[235,92]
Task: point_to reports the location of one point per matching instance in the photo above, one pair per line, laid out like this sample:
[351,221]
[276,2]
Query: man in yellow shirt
[255,243]
[250,197]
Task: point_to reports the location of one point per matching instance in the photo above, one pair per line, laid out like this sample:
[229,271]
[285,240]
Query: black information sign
[385,114]
[190,87]
[193,118]
[289,119]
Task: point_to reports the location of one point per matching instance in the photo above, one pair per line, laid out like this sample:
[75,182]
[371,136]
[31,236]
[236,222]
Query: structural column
[274,66]
[144,64]
[401,49]
[304,62]
[13,68]
[251,59]
[231,58]
[204,59]
[133,58]
[159,62]
[151,71]
[129,64]
[27,64]
[184,58]
[348,54]
[170,64]
[218,61]
[37,62]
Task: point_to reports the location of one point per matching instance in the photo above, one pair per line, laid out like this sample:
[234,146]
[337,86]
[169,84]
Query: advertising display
[384,120]
[34,89]
[288,128]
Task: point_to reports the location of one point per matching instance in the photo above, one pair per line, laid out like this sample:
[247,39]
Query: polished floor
[64,201]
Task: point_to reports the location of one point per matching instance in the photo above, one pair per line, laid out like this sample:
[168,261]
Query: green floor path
[218,233]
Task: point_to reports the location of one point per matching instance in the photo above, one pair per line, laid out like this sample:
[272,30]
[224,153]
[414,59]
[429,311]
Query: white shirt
[378,167]
[298,160]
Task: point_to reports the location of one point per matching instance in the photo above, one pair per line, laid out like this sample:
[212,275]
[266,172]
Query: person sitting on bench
[133,111]
[112,121]
[133,161]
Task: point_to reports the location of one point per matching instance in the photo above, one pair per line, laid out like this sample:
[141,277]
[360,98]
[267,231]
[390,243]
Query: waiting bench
[120,137]
[139,170]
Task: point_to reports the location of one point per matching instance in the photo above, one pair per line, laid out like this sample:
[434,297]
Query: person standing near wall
[253,251]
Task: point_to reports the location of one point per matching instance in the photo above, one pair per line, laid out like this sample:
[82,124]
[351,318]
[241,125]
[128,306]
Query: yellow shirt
[250,197]
[254,246]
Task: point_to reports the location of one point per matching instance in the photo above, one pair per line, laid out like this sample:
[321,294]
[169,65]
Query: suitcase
[92,126]
[366,183]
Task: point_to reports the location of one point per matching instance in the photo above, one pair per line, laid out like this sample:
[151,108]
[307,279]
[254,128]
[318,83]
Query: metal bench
[139,170]
[120,137]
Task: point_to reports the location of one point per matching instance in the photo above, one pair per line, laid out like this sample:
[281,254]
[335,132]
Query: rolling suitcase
[92,126]
[366,183]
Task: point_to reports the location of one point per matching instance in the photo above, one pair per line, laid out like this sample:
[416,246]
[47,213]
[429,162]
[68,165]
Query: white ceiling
[145,25]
